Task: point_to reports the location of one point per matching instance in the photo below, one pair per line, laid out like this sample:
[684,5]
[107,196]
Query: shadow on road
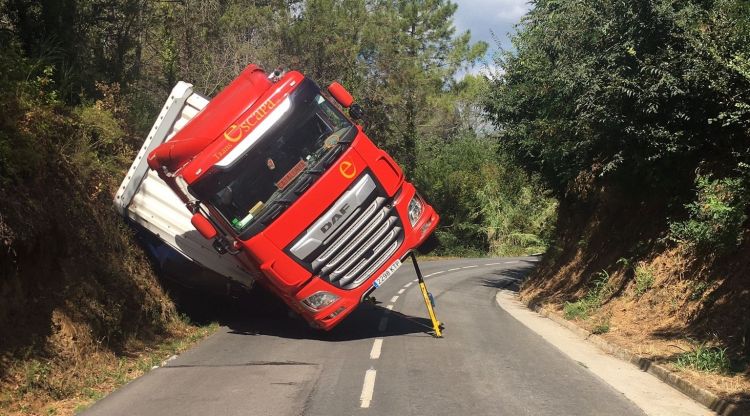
[509,279]
[259,312]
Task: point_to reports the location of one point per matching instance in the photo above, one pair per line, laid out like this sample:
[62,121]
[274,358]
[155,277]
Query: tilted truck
[270,182]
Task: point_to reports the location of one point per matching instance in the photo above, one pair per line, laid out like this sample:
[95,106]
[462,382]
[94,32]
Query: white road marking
[401,291]
[453,270]
[469,267]
[493,264]
[511,262]
[389,307]
[394,299]
[415,280]
[383,324]
[367,388]
[376,346]
[408,284]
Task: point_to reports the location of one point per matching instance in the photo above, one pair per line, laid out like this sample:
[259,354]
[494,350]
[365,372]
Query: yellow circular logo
[347,169]
[230,133]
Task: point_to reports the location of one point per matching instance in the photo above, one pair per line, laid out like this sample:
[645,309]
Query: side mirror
[203,225]
[341,94]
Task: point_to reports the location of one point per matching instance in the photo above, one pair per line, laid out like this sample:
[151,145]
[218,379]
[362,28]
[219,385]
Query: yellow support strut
[436,325]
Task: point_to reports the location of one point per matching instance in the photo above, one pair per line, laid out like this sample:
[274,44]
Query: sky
[481,16]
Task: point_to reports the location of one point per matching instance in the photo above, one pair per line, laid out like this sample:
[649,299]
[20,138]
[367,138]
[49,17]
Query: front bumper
[331,315]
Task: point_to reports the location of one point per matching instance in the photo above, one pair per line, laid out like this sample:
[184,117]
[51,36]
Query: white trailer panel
[148,201]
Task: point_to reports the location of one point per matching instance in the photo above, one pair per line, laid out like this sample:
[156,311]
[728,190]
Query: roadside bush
[644,279]
[486,202]
[716,216]
[596,295]
[706,359]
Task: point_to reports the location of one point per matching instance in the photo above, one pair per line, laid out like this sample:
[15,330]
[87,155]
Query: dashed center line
[367,388]
[383,324]
[376,347]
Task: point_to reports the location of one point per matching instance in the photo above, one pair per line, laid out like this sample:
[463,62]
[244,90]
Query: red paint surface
[223,124]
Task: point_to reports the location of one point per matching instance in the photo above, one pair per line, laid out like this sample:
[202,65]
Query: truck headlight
[319,300]
[415,209]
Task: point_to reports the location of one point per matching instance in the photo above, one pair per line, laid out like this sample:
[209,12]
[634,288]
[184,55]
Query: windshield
[284,161]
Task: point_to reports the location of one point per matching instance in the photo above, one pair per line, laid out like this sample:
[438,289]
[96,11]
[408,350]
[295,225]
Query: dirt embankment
[613,271]
[78,299]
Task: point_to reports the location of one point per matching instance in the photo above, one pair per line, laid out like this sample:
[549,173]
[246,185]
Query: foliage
[487,204]
[698,289]
[413,55]
[717,215]
[639,94]
[644,279]
[593,299]
[601,328]
[706,359]
[517,213]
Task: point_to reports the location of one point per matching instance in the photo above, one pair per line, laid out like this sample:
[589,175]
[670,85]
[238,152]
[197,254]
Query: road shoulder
[647,392]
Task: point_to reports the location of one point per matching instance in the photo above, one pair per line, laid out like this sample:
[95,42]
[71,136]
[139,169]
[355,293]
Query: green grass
[644,279]
[699,288]
[583,307]
[705,359]
[601,328]
[576,310]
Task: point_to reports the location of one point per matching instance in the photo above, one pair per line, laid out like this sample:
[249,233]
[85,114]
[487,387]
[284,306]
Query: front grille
[354,238]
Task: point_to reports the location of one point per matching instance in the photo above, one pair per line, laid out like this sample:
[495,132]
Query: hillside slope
[614,271]
[77,295]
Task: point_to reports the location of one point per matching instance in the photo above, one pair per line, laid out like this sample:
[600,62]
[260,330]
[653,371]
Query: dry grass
[64,386]
[81,311]
[671,315]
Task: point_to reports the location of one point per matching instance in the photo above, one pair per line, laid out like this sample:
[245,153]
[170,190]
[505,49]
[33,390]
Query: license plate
[387,273]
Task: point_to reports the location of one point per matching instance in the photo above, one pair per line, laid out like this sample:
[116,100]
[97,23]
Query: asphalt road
[381,362]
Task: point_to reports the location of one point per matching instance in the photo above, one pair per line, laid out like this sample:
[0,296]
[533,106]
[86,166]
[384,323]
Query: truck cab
[286,185]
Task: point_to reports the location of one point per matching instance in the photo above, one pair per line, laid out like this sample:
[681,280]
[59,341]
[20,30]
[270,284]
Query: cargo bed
[144,199]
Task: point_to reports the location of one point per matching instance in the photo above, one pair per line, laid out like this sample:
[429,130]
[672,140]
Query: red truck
[284,185]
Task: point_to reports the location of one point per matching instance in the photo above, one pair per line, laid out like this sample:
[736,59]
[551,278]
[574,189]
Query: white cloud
[483,17]
[513,12]
[489,70]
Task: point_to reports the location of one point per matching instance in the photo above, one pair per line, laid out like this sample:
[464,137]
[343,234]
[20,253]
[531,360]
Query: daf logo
[328,225]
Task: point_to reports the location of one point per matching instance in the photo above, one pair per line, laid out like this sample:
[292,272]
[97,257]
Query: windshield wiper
[300,184]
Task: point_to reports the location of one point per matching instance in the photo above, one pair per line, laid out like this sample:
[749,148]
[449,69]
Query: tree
[638,92]
[413,57]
